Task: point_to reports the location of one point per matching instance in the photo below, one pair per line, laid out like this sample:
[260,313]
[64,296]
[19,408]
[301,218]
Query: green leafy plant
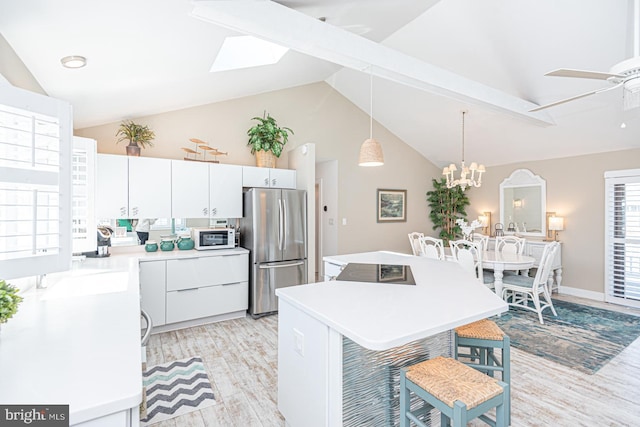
[447,205]
[267,135]
[9,300]
[135,133]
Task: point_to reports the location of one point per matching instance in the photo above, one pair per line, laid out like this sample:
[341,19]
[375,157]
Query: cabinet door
[153,291]
[225,191]
[149,187]
[112,189]
[255,177]
[190,189]
[282,178]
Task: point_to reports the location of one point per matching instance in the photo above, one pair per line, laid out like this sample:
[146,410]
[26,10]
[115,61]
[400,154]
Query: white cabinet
[149,187]
[153,290]
[267,177]
[133,187]
[225,191]
[112,187]
[189,288]
[190,189]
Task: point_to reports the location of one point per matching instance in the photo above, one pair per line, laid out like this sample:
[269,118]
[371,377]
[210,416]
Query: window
[83,224]
[35,185]
[622,239]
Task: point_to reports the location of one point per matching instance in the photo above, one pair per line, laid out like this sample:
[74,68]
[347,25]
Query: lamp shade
[371,153]
[556,223]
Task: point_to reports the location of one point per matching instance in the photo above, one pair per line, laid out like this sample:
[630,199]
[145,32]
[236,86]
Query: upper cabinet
[149,187]
[267,177]
[133,187]
[189,189]
[112,187]
[225,191]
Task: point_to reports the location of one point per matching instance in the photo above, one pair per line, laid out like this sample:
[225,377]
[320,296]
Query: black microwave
[213,238]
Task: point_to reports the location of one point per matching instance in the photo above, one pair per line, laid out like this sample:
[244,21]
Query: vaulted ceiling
[430,60]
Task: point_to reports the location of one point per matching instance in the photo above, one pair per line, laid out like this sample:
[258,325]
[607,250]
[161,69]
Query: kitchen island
[341,343]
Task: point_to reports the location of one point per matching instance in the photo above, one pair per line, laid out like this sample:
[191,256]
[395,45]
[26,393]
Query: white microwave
[213,238]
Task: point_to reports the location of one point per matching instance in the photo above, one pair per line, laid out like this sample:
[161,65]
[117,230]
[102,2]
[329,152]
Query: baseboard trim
[198,322]
[581,293]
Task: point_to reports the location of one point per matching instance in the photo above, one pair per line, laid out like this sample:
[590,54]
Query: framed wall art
[392,205]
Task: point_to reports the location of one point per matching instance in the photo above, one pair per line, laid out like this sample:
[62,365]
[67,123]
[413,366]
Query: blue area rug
[581,337]
[176,388]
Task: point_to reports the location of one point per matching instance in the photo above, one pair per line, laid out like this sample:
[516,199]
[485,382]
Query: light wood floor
[241,359]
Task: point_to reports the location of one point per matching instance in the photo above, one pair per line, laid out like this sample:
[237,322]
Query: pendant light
[370,150]
[469,176]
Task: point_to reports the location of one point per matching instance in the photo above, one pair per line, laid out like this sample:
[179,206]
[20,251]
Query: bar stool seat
[460,392]
[482,338]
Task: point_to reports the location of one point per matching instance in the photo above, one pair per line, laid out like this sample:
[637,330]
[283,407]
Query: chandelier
[469,176]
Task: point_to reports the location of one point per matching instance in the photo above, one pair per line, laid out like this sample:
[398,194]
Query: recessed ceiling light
[246,51]
[74,61]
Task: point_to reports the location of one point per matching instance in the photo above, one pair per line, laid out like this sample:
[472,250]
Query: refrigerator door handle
[284,223]
[280,225]
[279,265]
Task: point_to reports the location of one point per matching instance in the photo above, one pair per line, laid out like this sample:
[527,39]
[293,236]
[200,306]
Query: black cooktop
[394,274]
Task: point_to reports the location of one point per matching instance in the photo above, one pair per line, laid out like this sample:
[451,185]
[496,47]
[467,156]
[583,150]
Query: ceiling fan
[625,73]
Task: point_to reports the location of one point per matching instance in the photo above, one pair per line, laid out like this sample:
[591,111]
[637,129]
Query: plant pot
[133,150]
[265,159]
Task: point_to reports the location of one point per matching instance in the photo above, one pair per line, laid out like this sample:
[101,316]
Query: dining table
[500,262]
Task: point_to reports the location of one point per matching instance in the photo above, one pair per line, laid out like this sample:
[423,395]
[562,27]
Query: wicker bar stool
[460,392]
[482,338]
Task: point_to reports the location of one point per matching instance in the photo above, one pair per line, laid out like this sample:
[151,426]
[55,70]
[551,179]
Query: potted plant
[138,136]
[447,206]
[9,300]
[266,140]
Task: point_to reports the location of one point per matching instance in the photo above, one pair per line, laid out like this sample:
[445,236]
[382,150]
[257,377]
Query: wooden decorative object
[205,149]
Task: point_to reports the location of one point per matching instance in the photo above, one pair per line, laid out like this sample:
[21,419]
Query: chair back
[482,240]
[431,247]
[546,263]
[469,255]
[415,245]
[510,244]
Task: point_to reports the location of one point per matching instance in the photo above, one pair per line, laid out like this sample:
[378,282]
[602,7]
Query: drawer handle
[234,283]
[188,290]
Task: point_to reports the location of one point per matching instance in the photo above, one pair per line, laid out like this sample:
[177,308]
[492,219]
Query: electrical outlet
[298,342]
[344,221]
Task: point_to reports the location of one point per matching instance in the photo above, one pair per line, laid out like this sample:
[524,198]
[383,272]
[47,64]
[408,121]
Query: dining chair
[415,245]
[519,291]
[431,247]
[483,240]
[511,244]
[469,255]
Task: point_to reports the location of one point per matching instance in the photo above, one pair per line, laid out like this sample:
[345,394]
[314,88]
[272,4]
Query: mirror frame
[526,178]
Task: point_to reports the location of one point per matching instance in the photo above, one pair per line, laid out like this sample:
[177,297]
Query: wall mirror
[523,203]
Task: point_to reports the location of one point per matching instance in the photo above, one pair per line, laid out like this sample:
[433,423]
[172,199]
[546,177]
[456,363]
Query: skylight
[246,51]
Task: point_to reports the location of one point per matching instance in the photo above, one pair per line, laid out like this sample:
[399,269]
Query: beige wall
[14,70]
[317,114]
[575,190]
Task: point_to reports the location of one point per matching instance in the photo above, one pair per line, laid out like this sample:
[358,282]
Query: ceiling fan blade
[562,101]
[583,74]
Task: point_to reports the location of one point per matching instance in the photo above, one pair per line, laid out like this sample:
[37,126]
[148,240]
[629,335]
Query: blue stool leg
[459,414]
[405,401]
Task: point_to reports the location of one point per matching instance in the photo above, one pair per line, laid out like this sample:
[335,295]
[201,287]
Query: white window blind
[622,237]
[35,186]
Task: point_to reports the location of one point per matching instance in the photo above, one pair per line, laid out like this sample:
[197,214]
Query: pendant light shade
[370,150]
[371,153]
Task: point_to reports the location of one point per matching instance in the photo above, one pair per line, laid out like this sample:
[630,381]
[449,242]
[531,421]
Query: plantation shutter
[622,237]
[35,184]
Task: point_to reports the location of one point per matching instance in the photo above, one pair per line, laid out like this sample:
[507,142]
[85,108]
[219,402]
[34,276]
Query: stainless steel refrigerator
[274,229]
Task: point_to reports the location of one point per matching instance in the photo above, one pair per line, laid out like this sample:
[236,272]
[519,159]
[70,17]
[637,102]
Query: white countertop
[192,253]
[75,343]
[381,316]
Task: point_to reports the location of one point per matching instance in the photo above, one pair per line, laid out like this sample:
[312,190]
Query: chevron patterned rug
[176,388]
